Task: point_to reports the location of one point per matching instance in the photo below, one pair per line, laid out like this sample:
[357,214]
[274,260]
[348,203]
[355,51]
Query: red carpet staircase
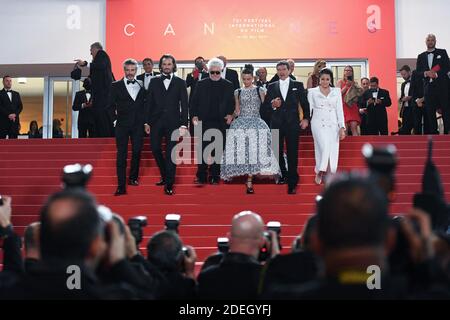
[31,169]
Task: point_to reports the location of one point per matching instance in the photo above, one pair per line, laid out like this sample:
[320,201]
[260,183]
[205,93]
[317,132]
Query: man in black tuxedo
[229,74]
[432,67]
[421,122]
[291,63]
[365,85]
[101,76]
[281,107]
[148,74]
[127,101]
[83,104]
[407,103]
[212,106]
[167,117]
[376,100]
[261,74]
[10,108]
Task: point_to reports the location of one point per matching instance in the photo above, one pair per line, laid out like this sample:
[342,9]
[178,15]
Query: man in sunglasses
[212,107]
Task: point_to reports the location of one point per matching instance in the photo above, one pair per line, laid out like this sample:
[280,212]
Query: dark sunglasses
[215,72]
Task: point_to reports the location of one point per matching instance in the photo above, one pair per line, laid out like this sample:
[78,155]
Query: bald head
[431,41]
[247,225]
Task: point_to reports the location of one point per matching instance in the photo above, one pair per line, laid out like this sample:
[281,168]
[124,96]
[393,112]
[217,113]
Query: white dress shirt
[430,59]
[147,78]
[284,87]
[167,82]
[132,88]
[9,93]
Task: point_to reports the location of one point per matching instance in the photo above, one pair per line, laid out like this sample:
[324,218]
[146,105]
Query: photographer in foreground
[237,276]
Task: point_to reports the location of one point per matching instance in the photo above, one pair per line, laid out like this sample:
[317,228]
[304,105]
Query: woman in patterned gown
[248,150]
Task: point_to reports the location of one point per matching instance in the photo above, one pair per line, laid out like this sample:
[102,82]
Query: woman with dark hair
[351,92]
[327,124]
[248,149]
[34,132]
[57,130]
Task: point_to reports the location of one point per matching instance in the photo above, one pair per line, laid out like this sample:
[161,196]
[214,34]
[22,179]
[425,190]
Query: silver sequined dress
[248,148]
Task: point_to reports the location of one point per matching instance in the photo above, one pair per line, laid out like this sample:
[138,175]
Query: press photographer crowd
[351,248]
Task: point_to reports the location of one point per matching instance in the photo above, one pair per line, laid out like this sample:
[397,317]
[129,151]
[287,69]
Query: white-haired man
[127,100]
[212,105]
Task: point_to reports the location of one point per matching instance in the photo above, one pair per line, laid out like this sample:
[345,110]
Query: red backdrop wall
[267,29]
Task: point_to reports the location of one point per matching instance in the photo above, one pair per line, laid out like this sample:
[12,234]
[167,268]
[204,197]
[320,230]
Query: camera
[223,245]
[76,175]
[186,251]
[172,222]
[136,225]
[1,200]
[350,78]
[107,216]
[382,162]
[266,250]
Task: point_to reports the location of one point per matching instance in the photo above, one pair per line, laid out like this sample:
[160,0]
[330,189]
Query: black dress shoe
[292,190]
[120,191]
[199,181]
[133,183]
[161,182]
[168,190]
[281,180]
[214,180]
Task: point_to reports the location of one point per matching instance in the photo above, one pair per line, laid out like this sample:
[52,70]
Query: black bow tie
[131,81]
[148,75]
[8,90]
[164,77]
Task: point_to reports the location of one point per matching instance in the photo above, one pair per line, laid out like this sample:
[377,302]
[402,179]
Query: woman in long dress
[248,150]
[327,124]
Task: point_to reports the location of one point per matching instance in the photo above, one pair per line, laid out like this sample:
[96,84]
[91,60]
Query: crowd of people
[351,248]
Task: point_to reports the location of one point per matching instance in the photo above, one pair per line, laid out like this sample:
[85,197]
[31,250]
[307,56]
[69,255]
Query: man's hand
[433,74]
[276,103]
[12,117]
[147,128]
[189,262]
[195,121]
[81,63]
[130,243]
[362,110]
[5,212]
[406,99]
[304,124]
[116,249]
[371,101]
[420,102]
[229,119]
[378,101]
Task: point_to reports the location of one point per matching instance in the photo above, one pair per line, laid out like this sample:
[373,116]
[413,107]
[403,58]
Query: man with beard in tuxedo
[127,101]
[167,118]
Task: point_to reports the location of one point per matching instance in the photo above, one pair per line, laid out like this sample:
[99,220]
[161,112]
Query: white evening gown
[327,118]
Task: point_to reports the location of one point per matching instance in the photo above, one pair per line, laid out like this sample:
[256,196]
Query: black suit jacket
[201,99]
[411,103]
[85,115]
[383,95]
[289,111]
[232,76]
[8,107]
[101,75]
[235,278]
[168,105]
[130,113]
[440,58]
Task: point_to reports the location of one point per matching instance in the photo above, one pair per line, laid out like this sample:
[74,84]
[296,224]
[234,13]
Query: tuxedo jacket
[232,76]
[130,113]
[383,95]
[288,112]
[440,58]
[8,107]
[201,99]
[410,93]
[101,75]
[170,104]
[85,115]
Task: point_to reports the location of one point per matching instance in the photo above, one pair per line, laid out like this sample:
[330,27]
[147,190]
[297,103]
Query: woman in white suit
[327,123]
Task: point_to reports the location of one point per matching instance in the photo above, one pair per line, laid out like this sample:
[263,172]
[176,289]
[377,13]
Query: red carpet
[30,170]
